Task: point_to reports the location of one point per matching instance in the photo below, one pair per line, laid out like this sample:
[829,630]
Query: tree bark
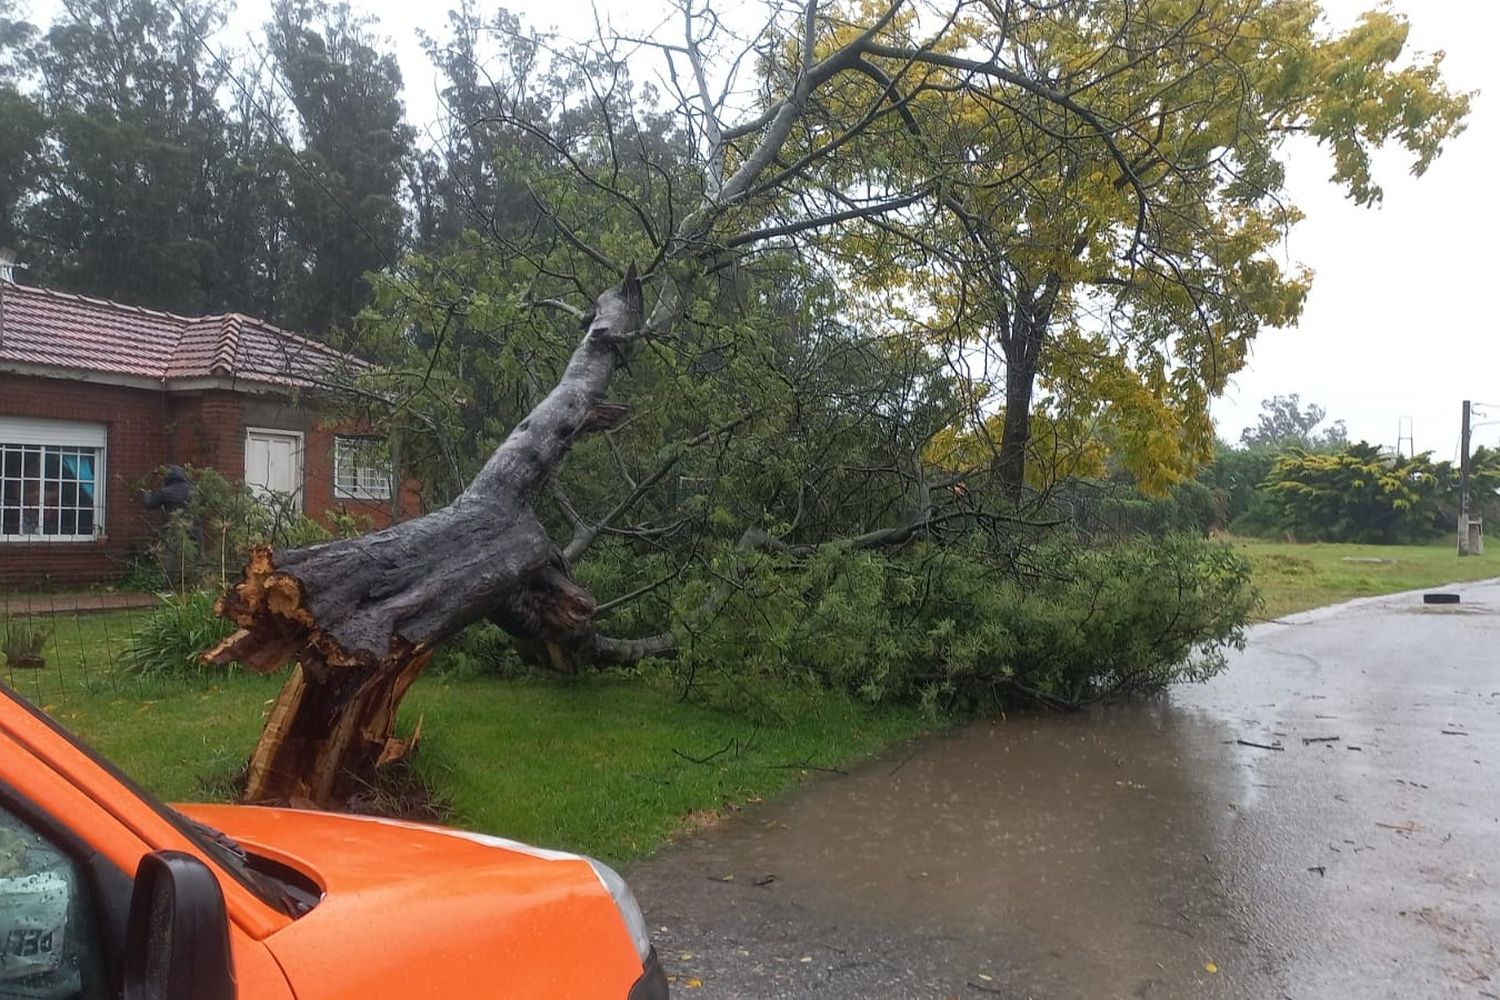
[1022,349]
[361,616]
[1015,438]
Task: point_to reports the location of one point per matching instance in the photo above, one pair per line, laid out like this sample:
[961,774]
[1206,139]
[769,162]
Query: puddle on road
[1093,846]
[1316,822]
[1000,819]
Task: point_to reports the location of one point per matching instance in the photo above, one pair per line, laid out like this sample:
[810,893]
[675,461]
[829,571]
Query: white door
[273,464]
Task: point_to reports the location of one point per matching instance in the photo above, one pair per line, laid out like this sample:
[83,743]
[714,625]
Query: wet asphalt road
[1141,851]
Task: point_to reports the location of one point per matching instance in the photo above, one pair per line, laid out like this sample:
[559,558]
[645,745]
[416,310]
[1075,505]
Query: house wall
[318,499]
[208,432]
[148,429]
[137,422]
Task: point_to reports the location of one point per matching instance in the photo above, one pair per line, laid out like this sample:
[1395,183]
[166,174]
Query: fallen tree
[360,616]
[839,93]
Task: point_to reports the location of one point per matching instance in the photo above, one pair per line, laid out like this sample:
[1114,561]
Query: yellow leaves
[1060,448]
[1210,968]
[1150,427]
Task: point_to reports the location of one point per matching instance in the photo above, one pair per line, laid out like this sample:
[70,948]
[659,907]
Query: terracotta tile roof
[39,326]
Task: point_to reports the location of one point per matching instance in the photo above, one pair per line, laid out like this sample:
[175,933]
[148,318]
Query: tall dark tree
[255,209]
[22,124]
[346,189]
[126,204]
[464,183]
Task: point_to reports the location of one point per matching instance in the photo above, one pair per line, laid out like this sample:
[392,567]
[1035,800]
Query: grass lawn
[599,765]
[608,765]
[1298,577]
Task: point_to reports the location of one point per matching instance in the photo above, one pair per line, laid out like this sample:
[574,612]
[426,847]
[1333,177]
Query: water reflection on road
[1142,850]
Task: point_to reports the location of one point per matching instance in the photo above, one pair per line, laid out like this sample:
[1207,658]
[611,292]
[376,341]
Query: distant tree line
[142,160]
[1288,478]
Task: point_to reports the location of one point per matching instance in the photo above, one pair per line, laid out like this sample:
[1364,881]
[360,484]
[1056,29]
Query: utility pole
[1463,484]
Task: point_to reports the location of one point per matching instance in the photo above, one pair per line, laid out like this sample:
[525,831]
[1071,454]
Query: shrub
[169,641]
[23,641]
[206,543]
[1355,494]
[1104,511]
[1235,476]
[944,627]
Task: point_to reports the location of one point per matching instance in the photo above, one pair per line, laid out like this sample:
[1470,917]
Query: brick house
[95,397]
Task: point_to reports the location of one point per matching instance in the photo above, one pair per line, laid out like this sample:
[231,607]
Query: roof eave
[190,383]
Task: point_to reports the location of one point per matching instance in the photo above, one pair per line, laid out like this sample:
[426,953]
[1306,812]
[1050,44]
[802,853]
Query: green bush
[940,626]
[1195,508]
[1355,494]
[206,543]
[22,640]
[1107,511]
[169,641]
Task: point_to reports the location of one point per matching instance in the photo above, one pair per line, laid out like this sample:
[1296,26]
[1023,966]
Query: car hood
[421,911]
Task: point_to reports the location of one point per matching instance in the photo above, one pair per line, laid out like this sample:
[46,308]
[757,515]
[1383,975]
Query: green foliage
[1039,268]
[169,640]
[206,543]
[22,128]
[346,182]
[143,160]
[1484,486]
[938,626]
[1117,510]
[22,640]
[1235,477]
[1196,507]
[480,650]
[1353,493]
[123,197]
[1356,494]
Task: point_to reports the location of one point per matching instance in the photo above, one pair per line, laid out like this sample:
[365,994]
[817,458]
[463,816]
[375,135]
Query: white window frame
[45,433]
[360,490]
[300,492]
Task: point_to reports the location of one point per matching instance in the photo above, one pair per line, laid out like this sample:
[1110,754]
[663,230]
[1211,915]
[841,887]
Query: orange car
[105,893]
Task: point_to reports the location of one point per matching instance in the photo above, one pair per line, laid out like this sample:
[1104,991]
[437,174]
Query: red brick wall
[149,429]
[208,431]
[319,501]
[137,421]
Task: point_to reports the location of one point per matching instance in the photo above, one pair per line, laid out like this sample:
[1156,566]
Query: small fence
[56,649]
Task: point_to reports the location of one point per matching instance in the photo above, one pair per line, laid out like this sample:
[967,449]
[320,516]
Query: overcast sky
[1400,322]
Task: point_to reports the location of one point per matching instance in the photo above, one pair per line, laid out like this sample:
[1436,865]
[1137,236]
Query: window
[361,468]
[51,480]
[48,944]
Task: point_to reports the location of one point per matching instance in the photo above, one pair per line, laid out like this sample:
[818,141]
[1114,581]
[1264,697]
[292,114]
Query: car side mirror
[177,936]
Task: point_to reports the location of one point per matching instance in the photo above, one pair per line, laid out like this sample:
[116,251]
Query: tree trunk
[1015,439]
[361,616]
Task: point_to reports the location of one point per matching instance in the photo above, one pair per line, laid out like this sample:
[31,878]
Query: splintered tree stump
[360,616]
[346,730]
